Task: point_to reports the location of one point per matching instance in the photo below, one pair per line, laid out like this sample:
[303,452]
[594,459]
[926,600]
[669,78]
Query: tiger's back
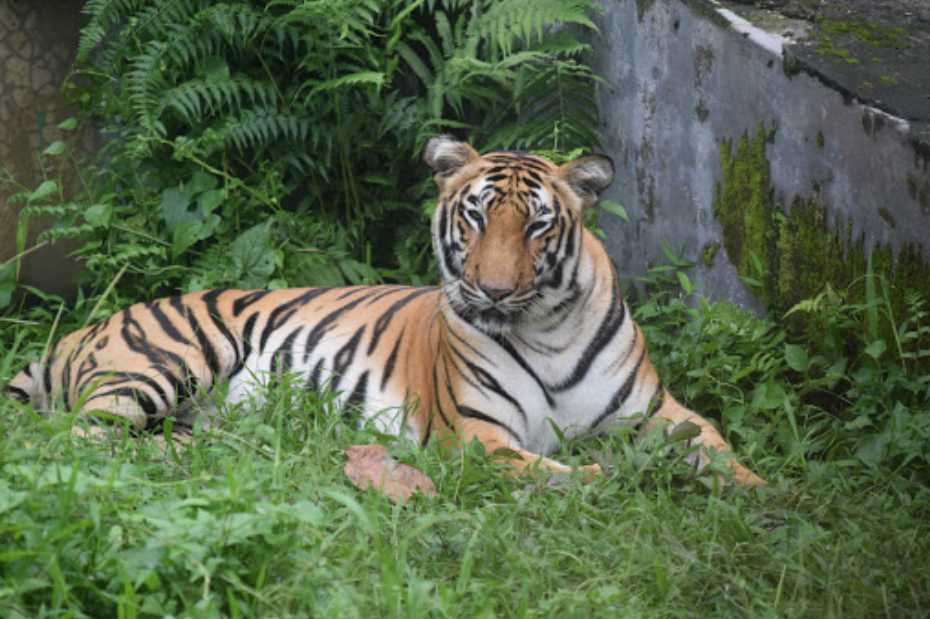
[364,343]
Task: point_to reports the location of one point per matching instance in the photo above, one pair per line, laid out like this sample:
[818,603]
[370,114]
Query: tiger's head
[508,229]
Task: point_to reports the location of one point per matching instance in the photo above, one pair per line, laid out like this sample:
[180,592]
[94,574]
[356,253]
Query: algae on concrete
[701,110]
[703,64]
[709,253]
[743,204]
[789,253]
[920,191]
[642,7]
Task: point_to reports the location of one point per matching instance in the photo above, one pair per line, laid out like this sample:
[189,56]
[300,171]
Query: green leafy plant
[292,129]
[833,380]
[876,386]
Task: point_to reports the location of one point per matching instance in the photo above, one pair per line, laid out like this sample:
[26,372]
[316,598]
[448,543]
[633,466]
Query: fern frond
[514,23]
[356,78]
[353,20]
[144,82]
[556,105]
[195,99]
[104,15]
[238,23]
[199,29]
[260,128]
[123,254]
[401,115]
[447,38]
[302,163]
[153,21]
[415,63]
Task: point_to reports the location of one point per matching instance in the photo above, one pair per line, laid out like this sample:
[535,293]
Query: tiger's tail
[27,387]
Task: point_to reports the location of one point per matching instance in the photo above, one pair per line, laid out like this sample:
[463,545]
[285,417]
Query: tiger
[526,339]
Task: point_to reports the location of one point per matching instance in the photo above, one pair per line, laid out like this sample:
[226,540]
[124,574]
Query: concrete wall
[682,77]
[38,40]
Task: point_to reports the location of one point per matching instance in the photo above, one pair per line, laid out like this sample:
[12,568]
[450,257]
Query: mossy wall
[789,252]
[769,179]
[743,205]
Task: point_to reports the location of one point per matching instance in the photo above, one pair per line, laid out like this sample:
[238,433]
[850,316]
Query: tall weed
[823,383]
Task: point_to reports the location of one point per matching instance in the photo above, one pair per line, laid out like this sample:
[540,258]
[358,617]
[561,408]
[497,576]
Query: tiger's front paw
[590,472]
[744,477]
[89,432]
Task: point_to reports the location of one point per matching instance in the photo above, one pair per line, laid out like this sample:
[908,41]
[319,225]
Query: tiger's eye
[474,216]
[537,227]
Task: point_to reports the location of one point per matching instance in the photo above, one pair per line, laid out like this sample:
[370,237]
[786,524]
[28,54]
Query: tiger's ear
[446,156]
[588,177]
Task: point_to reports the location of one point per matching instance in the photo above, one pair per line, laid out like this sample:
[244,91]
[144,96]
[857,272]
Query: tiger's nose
[494,293]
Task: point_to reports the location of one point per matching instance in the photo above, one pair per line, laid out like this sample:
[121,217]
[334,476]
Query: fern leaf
[144,83]
[261,128]
[510,23]
[415,63]
[197,98]
[375,78]
[104,15]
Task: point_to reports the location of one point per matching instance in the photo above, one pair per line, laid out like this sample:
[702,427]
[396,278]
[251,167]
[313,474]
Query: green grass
[257,519]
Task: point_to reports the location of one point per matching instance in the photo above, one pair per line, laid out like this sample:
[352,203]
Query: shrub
[277,143]
[833,390]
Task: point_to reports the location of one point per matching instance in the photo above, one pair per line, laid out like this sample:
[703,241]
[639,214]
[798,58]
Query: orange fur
[506,225]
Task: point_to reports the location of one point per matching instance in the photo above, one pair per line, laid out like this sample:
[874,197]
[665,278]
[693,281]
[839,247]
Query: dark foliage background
[278,143]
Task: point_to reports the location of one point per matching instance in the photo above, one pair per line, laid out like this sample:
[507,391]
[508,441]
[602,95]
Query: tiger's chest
[560,383]
[571,413]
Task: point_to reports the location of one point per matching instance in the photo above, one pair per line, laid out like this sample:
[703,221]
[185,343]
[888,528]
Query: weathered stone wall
[38,40]
[722,145]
